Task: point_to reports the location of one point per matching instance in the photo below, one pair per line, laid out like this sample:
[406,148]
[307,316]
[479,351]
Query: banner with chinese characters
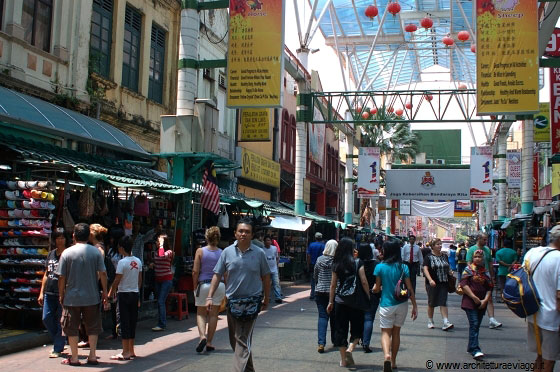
[542,123]
[481,173]
[555,180]
[507,57]
[555,109]
[255,55]
[368,172]
[255,125]
[514,169]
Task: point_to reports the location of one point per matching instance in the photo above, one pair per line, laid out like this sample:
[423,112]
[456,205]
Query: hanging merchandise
[141,206]
[101,208]
[86,204]
[223,218]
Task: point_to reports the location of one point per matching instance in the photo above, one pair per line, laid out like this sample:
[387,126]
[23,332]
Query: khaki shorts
[72,316]
[550,342]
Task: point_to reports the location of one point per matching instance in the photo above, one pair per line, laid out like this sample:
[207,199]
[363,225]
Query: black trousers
[128,309]
[413,269]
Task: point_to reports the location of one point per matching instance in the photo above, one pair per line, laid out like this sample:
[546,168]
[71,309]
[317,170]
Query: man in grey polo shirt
[248,275]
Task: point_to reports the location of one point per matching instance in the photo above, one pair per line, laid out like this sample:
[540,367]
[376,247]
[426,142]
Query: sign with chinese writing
[255,124]
[555,109]
[553,47]
[258,168]
[427,184]
[514,169]
[536,176]
[255,54]
[555,180]
[481,173]
[542,123]
[368,172]
[507,57]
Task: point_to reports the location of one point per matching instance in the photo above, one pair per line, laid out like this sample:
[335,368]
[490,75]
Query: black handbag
[352,293]
[246,308]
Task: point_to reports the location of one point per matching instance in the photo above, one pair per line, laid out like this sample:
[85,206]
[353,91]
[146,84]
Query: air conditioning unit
[222,80]
[181,134]
[441,161]
[331,211]
[429,161]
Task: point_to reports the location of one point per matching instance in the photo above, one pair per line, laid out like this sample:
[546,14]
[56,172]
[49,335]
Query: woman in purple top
[204,261]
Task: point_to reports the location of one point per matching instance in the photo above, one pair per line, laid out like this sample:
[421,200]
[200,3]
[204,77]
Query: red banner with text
[555,109]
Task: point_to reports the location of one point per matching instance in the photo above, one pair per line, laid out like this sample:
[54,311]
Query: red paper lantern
[427,23]
[371,11]
[447,41]
[429,97]
[359,109]
[393,8]
[365,115]
[462,87]
[473,48]
[390,109]
[411,27]
[373,111]
[399,112]
[463,36]
[408,106]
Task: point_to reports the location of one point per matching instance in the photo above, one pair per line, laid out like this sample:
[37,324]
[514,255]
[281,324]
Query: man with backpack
[546,277]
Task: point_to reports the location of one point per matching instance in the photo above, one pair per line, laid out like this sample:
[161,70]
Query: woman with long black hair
[392,311]
[365,254]
[344,268]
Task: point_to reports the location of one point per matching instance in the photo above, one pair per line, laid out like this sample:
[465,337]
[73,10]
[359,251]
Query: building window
[157,57]
[36,21]
[131,49]
[100,41]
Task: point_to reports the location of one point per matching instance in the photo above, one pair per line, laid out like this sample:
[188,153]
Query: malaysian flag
[211,194]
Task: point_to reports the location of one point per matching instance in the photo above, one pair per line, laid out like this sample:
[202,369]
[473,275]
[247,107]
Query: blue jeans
[52,314]
[162,290]
[322,300]
[475,319]
[460,268]
[276,285]
[369,317]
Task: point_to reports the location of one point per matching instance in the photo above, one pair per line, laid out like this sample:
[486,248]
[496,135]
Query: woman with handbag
[352,298]
[437,273]
[365,254]
[392,278]
[322,274]
[205,260]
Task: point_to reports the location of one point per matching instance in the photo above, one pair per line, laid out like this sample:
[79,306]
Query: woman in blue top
[392,313]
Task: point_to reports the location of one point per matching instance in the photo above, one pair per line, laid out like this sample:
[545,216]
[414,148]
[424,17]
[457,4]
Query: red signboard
[553,47]
[536,176]
[555,109]
[419,225]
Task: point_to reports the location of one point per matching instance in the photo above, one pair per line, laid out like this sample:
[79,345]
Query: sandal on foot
[349,358]
[201,345]
[387,366]
[93,362]
[210,348]
[69,362]
[119,357]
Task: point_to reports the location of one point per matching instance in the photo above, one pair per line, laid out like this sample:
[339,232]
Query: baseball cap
[318,235]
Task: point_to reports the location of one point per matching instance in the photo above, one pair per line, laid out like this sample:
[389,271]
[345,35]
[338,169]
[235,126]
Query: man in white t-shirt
[546,277]
[272,258]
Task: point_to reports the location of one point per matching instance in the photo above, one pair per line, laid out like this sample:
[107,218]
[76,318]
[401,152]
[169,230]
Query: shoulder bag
[352,293]
[401,291]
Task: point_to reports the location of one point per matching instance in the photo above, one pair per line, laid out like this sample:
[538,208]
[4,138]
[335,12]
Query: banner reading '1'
[507,57]
[255,55]
[368,172]
[481,173]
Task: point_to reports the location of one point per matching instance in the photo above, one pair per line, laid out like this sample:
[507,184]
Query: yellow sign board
[255,54]
[259,169]
[555,180]
[507,57]
[306,191]
[255,124]
[542,123]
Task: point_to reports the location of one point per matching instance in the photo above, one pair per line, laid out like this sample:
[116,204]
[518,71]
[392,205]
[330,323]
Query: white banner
[368,172]
[481,173]
[514,169]
[433,209]
[427,184]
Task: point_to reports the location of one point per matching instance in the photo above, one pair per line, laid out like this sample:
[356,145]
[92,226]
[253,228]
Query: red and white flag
[211,194]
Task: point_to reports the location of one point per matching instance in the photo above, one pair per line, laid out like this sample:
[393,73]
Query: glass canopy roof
[399,57]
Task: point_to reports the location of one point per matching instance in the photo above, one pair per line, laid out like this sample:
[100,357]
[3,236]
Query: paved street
[285,341]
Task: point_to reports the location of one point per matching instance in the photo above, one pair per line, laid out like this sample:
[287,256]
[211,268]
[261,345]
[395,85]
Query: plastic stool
[182,310]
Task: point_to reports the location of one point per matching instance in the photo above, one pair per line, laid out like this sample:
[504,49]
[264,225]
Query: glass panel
[157,76]
[105,47]
[95,29]
[27,19]
[106,22]
[126,47]
[43,27]
[133,62]
[126,58]
[94,42]
[105,34]
[127,35]
[96,18]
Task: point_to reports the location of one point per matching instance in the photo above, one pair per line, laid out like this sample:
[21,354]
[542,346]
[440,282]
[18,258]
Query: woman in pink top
[204,261]
[164,278]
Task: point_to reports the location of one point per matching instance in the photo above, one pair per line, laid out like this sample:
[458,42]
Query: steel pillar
[348,184]
[303,109]
[501,180]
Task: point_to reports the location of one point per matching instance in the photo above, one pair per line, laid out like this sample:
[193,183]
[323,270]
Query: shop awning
[290,223]
[91,178]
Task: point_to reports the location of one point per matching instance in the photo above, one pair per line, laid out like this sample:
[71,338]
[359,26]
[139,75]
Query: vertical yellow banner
[555,179]
[542,123]
[255,55]
[507,57]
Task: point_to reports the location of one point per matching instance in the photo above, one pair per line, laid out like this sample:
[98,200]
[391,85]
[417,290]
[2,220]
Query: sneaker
[321,349]
[493,324]
[431,325]
[278,301]
[478,355]
[447,326]
[158,329]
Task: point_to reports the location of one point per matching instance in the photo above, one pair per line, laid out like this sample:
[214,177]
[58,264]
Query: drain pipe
[527,168]
[501,180]
[304,107]
[188,51]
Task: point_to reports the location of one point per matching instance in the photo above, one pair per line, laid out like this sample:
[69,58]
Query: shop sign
[507,57]
[255,55]
[481,173]
[368,172]
[255,124]
[419,225]
[306,191]
[536,176]
[555,180]
[404,207]
[555,109]
[427,184]
[553,47]
[259,169]
[514,169]
[317,139]
[542,123]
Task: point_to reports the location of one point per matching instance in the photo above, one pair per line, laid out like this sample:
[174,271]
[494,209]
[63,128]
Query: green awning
[91,178]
